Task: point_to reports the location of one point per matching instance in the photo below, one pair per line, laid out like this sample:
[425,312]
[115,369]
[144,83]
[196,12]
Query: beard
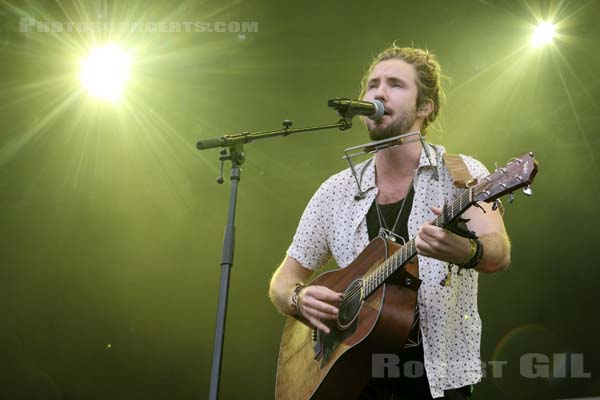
[399,125]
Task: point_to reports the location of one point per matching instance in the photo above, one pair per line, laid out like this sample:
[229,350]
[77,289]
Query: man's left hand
[440,243]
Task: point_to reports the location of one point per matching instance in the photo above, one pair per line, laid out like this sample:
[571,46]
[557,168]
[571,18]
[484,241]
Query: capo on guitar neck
[457,225]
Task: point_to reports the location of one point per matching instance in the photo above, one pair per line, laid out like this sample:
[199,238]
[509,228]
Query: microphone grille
[379,110]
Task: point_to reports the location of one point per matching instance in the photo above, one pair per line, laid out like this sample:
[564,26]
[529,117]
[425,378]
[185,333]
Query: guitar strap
[458,170]
[462,179]
[460,174]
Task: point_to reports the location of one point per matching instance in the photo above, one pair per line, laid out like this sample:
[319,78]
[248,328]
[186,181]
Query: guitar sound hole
[350,306]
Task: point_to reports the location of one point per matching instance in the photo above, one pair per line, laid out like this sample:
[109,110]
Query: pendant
[384,233]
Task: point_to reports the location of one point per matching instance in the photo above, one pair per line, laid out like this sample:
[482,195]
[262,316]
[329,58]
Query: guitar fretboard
[374,279]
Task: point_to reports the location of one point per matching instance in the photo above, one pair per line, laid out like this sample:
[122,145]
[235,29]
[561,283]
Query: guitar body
[381,325]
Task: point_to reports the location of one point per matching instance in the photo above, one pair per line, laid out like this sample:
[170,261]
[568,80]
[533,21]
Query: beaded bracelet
[295,297]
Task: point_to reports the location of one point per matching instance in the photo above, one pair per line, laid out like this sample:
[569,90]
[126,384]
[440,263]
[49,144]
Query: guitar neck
[376,277]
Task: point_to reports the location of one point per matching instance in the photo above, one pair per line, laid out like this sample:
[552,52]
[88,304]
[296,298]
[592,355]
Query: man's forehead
[393,68]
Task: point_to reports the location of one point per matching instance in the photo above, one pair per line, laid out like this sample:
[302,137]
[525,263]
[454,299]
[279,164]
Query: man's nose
[381,93]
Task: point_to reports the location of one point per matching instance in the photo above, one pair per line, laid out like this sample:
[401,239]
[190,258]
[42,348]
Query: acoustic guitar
[378,308]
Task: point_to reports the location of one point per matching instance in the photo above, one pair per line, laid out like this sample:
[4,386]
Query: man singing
[411,183]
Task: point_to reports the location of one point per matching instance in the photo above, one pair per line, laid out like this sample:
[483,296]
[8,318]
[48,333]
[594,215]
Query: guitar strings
[379,271]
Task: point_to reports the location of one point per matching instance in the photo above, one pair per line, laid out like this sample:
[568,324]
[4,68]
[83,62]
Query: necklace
[384,231]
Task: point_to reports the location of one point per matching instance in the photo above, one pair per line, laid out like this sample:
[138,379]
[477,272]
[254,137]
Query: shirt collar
[433,154]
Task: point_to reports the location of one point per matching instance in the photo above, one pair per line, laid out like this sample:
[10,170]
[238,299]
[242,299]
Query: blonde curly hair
[429,76]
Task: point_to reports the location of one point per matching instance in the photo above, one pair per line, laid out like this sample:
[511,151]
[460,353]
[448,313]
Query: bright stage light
[544,33]
[105,71]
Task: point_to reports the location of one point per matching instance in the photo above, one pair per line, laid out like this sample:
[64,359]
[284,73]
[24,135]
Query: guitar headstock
[517,173]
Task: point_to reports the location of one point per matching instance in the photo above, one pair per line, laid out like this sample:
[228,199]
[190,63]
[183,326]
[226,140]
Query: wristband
[475,254]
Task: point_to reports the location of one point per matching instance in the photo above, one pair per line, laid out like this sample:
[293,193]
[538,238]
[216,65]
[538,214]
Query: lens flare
[543,34]
[105,71]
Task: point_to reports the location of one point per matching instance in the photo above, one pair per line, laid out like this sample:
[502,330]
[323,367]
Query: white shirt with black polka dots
[334,224]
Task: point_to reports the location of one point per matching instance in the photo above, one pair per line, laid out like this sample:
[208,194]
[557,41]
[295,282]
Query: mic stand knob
[224,156]
[286,126]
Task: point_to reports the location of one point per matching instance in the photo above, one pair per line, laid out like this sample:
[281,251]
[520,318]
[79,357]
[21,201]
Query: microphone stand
[232,149]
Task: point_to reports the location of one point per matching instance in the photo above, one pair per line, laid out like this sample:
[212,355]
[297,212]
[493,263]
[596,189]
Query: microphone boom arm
[247,137]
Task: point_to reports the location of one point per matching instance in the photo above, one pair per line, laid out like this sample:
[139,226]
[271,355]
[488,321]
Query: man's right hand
[317,303]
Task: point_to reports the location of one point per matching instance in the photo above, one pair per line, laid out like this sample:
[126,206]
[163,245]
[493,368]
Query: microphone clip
[237,156]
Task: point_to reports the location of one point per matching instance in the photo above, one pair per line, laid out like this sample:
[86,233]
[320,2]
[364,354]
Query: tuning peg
[527,190]
[511,197]
[495,204]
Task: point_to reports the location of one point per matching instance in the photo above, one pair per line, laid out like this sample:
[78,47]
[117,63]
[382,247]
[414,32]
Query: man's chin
[378,128]
[381,132]
[388,127]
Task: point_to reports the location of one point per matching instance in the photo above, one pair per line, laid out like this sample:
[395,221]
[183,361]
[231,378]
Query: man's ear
[425,109]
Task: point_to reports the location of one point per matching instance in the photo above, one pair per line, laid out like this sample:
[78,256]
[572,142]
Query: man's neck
[397,163]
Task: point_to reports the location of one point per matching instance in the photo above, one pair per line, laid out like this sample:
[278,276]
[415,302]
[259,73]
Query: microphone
[348,108]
